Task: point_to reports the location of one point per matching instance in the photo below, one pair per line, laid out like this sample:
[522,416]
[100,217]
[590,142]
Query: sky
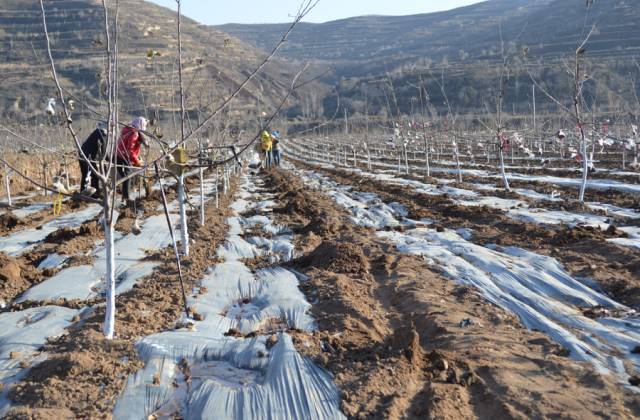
[217,12]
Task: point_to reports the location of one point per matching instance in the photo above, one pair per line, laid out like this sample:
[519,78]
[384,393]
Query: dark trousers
[276,156]
[85,170]
[123,171]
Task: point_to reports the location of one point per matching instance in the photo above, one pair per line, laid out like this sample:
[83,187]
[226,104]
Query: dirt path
[404,342]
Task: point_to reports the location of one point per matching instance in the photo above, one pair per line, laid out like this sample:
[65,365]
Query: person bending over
[93,150]
[128,152]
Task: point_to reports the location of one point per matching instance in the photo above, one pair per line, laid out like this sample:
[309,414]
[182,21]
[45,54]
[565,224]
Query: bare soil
[584,251]
[393,332]
[10,223]
[84,373]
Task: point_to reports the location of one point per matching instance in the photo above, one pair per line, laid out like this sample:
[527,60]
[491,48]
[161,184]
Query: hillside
[464,43]
[215,64]
[371,44]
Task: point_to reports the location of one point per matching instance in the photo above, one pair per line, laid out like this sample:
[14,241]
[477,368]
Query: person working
[128,151]
[93,150]
[275,148]
[267,144]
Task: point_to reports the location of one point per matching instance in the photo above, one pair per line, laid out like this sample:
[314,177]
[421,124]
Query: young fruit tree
[576,110]
[104,166]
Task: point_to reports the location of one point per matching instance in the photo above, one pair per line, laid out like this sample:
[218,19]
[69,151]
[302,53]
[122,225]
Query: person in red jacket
[128,151]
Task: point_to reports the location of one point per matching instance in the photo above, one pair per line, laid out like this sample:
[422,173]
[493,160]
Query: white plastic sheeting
[22,335]
[246,302]
[537,289]
[598,184]
[615,210]
[235,378]
[532,194]
[85,282]
[27,211]
[633,237]
[556,217]
[54,260]
[442,188]
[534,287]
[18,243]
[230,379]
[513,208]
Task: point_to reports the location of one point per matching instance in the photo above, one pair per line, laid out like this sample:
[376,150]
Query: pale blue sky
[216,12]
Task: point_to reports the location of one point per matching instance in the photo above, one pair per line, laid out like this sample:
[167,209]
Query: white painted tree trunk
[110,276]
[7,185]
[455,150]
[66,173]
[406,158]
[201,196]
[184,230]
[217,187]
[426,156]
[585,167]
[505,180]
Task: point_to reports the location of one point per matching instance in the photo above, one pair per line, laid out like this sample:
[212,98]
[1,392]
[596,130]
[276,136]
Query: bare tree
[575,111]
[104,168]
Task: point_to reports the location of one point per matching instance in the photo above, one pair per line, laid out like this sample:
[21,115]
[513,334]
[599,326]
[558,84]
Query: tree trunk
[184,231]
[457,155]
[426,155]
[110,276]
[585,166]
[7,185]
[406,158]
[201,197]
[217,188]
[505,180]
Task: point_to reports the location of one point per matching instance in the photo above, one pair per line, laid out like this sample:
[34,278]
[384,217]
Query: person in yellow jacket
[267,147]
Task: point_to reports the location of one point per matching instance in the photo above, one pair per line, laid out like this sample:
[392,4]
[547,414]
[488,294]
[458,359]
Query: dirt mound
[338,257]
[325,224]
[304,210]
[90,368]
[9,221]
[9,269]
[11,276]
[296,203]
[63,235]
[567,205]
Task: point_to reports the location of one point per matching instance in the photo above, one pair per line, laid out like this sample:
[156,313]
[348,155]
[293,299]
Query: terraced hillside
[215,64]
[465,43]
[547,27]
